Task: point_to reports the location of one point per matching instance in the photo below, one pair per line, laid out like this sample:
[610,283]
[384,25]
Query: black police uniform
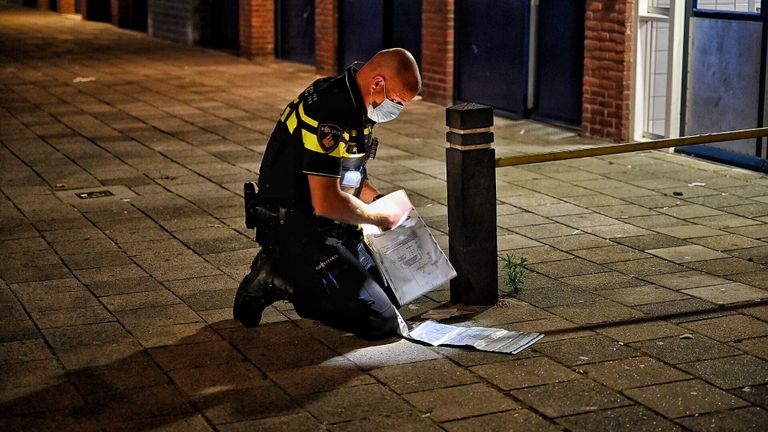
[325,131]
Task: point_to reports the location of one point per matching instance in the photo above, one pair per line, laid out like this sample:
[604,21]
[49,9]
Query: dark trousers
[335,280]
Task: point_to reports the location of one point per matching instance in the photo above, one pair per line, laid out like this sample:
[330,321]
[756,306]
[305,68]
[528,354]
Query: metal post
[471,179]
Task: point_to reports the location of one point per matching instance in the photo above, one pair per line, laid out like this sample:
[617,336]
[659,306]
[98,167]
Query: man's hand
[331,202]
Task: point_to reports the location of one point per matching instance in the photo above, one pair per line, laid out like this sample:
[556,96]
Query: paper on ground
[482,338]
[408,256]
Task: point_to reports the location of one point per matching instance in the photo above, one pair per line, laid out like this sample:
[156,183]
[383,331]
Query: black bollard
[471,179]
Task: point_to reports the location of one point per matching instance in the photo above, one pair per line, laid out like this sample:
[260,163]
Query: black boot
[259,289]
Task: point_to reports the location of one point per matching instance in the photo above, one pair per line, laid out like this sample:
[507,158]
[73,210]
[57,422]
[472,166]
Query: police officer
[313,182]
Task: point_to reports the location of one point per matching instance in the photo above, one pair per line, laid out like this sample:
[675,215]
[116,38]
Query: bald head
[393,71]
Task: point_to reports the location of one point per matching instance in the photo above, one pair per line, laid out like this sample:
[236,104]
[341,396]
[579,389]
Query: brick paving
[647,272]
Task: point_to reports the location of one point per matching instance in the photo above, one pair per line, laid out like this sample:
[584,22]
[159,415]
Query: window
[749,6]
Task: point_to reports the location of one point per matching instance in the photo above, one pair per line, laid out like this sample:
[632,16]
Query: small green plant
[514,273]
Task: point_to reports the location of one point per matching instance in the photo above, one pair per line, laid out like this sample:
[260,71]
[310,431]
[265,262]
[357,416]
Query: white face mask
[386,111]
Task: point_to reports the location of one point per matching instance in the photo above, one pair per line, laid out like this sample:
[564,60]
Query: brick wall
[66,6]
[174,20]
[326,37]
[257,28]
[608,69]
[437,50]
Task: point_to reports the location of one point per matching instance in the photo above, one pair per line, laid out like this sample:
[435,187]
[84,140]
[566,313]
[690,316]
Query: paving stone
[641,295]
[728,242]
[297,352]
[108,274]
[729,328]
[514,241]
[633,372]
[460,402]
[156,316]
[629,419]
[49,407]
[524,373]
[603,281]
[353,403]
[656,221]
[194,355]
[467,358]
[757,311]
[572,267]
[646,267]
[597,312]
[689,231]
[176,267]
[757,347]
[407,421]
[24,351]
[510,310]
[139,300]
[96,260]
[570,397]
[584,350]
[125,286]
[758,395]
[684,398]
[651,241]
[728,293]
[300,422]
[518,420]
[690,211]
[576,241]
[679,311]
[751,231]
[423,376]
[554,329]
[683,254]
[677,350]
[609,254]
[400,352]
[747,419]
[543,231]
[35,273]
[756,254]
[730,372]
[636,332]
[212,379]
[685,280]
[71,316]
[31,373]
[246,404]
[724,221]
[554,296]
[541,254]
[321,377]
[18,331]
[616,231]
[41,301]
[624,211]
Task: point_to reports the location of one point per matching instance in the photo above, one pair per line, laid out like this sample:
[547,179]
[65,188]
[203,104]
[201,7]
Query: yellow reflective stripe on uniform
[285,113]
[310,141]
[353,132]
[306,118]
[291,123]
[367,131]
[346,136]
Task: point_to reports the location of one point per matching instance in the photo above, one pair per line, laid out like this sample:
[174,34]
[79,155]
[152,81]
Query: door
[220,25]
[726,80]
[295,30]
[368,26]
[492,54]
[558,63]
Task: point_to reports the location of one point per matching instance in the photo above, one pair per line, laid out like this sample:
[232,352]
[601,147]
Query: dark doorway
[368,26]
[492,54]
[220,25]
[559,61]
[132,15]
[98,10]
[295,30]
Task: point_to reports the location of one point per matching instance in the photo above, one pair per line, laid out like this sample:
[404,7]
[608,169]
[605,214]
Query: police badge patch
[328,136]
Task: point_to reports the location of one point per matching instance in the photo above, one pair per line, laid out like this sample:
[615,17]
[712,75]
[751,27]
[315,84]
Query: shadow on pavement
[244,374]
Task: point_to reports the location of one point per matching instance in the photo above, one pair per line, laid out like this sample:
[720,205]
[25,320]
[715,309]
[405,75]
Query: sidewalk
[648,272]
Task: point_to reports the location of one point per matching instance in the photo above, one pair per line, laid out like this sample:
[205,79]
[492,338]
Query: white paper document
[482,338]
[408,256]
